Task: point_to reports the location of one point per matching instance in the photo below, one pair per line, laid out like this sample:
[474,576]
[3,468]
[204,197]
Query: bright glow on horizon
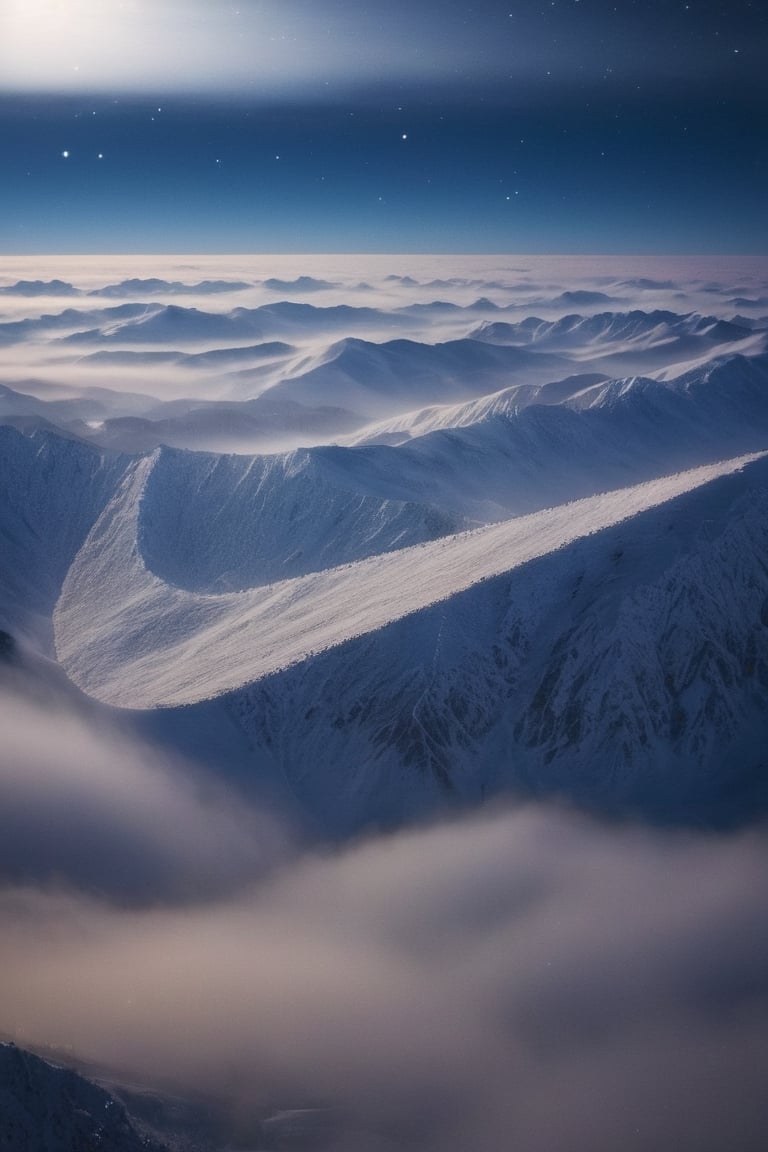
[174,46]
[49,42]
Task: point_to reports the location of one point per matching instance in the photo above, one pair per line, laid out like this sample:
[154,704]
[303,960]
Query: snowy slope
[627,671]
[492,458]
[512,451]
[51,491]
[222,523]
[618,333]
[129,638]
[507,401]
[725,393]
[374,379]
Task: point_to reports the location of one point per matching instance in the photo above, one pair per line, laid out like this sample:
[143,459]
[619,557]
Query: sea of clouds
[521,977]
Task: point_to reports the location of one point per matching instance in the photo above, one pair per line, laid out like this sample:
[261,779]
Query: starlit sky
[407,126]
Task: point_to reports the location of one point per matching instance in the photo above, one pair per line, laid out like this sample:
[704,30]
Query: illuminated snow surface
[130,639]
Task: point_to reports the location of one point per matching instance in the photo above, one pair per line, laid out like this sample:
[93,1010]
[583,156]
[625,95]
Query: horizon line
[388,253]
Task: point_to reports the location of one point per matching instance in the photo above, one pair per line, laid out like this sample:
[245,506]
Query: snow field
[132,640]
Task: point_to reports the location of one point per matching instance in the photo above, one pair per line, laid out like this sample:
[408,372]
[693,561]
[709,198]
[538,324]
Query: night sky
[310,126]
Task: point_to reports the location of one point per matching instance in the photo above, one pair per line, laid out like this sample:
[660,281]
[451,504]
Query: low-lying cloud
[85,805]
[525,979]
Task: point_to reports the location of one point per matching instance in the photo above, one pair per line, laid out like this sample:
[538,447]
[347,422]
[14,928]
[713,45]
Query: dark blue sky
[575,126]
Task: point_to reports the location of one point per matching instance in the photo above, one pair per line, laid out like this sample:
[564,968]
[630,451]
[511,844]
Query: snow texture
[133,640]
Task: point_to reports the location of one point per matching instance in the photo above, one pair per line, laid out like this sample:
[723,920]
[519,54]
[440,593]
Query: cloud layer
[527,979]
[86,805]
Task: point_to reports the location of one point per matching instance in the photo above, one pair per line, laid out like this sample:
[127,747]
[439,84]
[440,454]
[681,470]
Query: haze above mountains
[297,550]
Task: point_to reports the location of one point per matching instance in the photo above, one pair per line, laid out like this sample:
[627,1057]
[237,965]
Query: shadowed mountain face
[45,1108]
[644,648]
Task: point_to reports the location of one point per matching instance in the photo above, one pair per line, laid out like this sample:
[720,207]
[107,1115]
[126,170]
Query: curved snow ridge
[129,639]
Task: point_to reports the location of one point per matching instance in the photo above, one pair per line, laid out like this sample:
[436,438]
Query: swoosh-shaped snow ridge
[129,639]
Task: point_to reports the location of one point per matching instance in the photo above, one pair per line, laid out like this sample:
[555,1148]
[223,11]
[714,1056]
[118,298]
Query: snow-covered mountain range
[385,584]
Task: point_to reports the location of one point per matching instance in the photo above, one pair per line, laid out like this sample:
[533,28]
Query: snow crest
[129,638]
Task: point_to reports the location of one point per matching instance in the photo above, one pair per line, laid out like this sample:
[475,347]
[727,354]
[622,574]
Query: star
[65,154]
